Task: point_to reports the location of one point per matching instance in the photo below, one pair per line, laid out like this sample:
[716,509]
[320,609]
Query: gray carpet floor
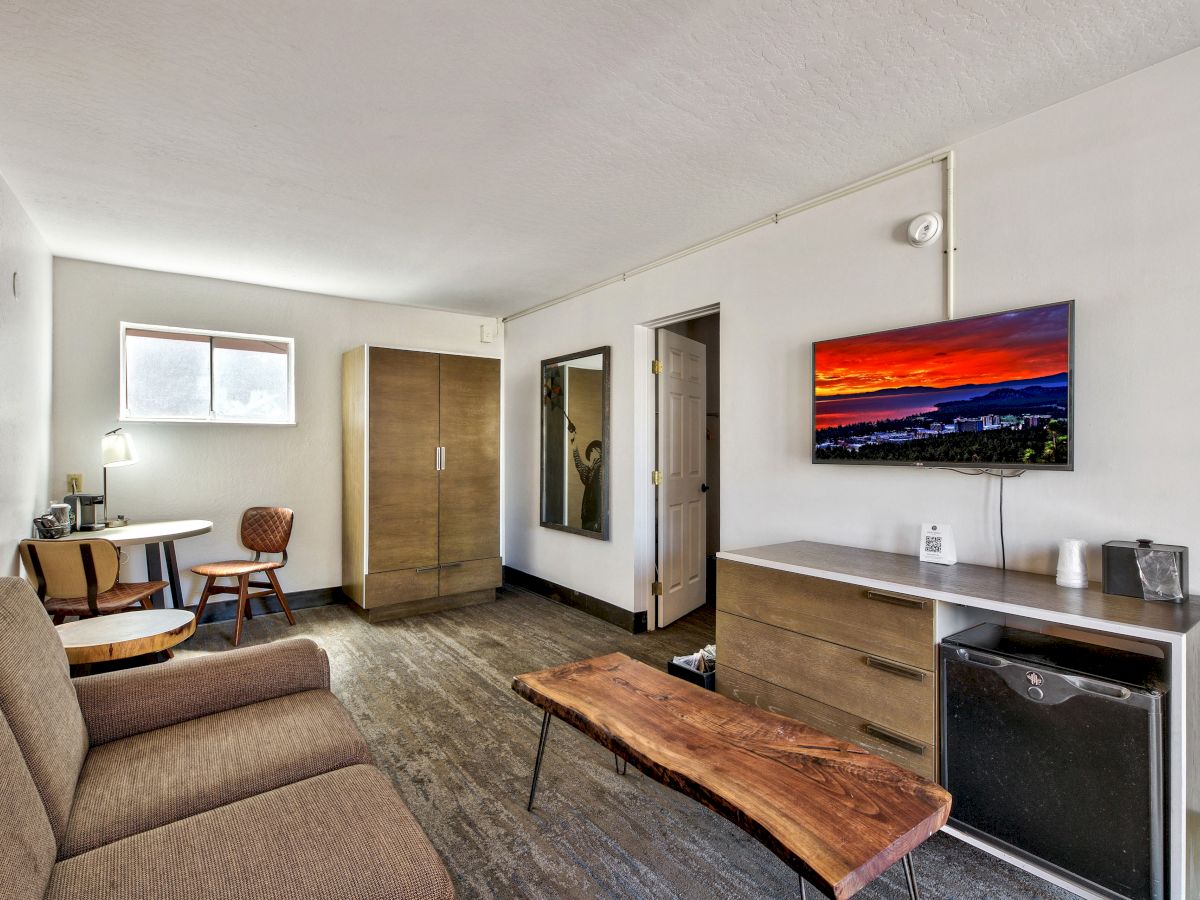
[432,696]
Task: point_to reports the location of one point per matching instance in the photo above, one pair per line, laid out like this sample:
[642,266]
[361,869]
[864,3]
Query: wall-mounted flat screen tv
[988,392]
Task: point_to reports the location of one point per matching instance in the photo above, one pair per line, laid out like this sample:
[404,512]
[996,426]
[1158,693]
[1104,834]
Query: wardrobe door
[469,494]
[402,489]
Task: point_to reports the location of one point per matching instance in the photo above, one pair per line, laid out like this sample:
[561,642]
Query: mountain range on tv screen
[1053,380]
[1044,395]
[1032,400]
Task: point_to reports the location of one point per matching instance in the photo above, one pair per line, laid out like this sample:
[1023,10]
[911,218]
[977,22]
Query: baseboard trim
[634,622]
[224,610]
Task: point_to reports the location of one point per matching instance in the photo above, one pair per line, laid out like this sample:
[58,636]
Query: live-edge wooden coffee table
[122,635]
[837,814]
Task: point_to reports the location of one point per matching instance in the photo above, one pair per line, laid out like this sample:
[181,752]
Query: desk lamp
[116,449]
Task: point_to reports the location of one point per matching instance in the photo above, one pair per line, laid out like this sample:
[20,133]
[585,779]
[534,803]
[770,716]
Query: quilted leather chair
[265,529]
[231,775]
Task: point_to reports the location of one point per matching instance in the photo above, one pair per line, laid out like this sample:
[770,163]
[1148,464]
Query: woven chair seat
[235,567]
[115,599]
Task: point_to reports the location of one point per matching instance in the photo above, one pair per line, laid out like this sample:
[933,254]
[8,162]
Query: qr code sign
[933,543]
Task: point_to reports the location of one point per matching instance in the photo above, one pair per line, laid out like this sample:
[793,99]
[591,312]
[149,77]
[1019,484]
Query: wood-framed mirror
[574,464]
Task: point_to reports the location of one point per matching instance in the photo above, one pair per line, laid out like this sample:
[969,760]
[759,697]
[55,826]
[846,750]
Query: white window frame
[125,416]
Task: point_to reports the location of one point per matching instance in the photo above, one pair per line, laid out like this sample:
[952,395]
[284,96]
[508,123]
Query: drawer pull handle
[895,668]
[892,738]
[435,568]
[910,602]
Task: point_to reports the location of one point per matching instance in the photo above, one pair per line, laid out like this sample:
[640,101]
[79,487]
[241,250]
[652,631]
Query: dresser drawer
[472,575]
[916,756]
[891,625]
[893,695]
[400,586]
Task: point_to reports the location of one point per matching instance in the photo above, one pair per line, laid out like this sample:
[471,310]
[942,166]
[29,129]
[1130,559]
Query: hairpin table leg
[803,889]
[910,875]
[621,769]
[537,766]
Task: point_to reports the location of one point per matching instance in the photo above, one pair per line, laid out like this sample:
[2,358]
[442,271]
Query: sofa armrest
[120,704]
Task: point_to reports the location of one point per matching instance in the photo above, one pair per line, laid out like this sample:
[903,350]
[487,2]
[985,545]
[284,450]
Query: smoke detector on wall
[925,229]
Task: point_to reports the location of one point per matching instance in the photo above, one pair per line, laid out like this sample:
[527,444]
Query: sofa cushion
[147,780]
[26,840]
[344,834]
[38,700]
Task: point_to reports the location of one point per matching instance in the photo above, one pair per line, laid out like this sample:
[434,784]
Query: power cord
[1003,475]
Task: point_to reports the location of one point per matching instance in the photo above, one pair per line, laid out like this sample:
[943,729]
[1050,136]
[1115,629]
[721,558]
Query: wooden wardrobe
[420,480]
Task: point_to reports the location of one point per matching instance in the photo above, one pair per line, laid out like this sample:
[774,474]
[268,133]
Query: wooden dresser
[857,663]
[845,639]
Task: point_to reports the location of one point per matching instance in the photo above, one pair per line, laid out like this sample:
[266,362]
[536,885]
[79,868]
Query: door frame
[645,435]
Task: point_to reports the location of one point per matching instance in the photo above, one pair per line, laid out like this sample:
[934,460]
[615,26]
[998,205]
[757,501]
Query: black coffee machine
[86,508]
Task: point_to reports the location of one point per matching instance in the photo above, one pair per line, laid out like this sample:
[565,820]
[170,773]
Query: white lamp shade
[117,449]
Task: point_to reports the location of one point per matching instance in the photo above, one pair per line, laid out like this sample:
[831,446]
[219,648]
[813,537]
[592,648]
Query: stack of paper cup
[1072,563]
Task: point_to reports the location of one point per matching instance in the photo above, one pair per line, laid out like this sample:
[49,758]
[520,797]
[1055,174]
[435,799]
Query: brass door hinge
[656,477]
[656,588]
[656,366]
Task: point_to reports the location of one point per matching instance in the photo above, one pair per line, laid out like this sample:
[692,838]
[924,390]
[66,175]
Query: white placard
[937,544]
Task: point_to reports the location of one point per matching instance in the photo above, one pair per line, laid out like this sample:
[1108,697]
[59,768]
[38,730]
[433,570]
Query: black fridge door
[1063,768]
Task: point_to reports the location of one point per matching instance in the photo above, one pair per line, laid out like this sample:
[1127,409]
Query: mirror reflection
[574,440]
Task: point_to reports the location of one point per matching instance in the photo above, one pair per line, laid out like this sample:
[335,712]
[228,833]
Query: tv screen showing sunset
[986,392]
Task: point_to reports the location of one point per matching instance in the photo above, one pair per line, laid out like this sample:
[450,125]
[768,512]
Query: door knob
[704,488]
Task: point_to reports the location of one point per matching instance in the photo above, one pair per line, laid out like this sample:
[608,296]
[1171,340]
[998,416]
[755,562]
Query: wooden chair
[265,529]
[79,578]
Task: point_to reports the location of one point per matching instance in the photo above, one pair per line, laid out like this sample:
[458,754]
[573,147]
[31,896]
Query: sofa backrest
[27,845]
[38,700]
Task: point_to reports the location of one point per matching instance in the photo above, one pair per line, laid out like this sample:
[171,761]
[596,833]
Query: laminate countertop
[1019,593]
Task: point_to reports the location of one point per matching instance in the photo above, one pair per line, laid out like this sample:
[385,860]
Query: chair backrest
[38,700]
[61,568]
[267,529]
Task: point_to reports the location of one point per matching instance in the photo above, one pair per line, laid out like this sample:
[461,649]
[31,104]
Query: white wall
[25,364]
[1095,198]
[214,471]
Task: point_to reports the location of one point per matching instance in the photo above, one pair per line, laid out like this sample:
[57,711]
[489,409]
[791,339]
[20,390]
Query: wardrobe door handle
[886,665]
[424,569]
[450,565]
[895,599]
[443,459]
[892,738]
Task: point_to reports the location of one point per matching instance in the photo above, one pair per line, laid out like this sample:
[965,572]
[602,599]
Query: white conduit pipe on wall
[948,237]
[945,157]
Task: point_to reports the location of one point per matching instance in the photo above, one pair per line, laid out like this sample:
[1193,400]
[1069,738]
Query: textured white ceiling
[485,156]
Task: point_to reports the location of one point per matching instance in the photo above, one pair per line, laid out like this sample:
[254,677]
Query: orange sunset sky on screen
[1005,347]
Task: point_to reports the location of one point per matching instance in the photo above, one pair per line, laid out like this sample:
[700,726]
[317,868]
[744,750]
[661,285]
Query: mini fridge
[1054,748]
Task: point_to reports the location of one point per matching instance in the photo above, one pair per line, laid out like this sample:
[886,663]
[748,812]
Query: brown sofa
[227,776]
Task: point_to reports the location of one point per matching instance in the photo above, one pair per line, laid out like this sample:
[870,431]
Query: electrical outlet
[487,333]
[74,482]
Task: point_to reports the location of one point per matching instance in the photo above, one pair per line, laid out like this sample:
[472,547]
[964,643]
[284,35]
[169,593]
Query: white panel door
[681,459]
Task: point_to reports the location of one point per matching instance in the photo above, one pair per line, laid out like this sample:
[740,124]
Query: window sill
[145,420]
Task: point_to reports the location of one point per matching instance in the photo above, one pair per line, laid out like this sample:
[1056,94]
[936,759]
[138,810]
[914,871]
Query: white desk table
[152,535]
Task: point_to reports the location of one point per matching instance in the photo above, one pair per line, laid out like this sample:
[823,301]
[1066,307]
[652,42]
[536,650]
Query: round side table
[122,635]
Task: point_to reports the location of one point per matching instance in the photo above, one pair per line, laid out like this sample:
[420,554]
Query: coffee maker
[86,507]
